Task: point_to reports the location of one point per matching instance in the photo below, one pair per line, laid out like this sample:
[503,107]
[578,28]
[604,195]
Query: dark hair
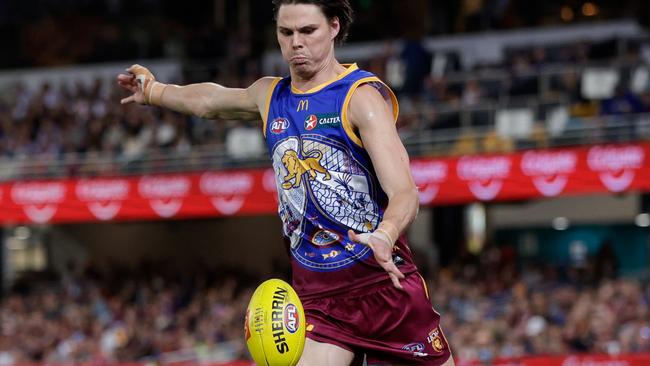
[340,9]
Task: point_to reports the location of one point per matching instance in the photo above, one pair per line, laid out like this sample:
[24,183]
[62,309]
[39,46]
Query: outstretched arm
[206,100]
[372,117]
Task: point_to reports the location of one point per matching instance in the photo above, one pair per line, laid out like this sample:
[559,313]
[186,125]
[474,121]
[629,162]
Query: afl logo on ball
[311,122]
[279,125]
[291,319]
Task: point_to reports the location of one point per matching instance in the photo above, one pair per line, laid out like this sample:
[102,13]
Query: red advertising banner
[534,174]
[521,175]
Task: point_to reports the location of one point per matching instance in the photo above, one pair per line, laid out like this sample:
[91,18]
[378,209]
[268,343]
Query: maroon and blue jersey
[327,184]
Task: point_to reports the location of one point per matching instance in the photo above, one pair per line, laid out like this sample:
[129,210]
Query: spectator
[417,61]
[623,102]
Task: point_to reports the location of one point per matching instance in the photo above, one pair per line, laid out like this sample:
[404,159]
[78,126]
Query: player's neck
[328,70]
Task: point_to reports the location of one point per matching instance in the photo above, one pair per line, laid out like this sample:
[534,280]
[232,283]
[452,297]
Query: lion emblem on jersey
[296,167]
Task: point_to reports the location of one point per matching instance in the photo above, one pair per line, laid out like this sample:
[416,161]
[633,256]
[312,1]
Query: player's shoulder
[366,86]
[366,93]
[260,89]
[371,97]
[264,83]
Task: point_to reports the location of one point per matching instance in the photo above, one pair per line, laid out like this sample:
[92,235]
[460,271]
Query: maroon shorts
[387,324]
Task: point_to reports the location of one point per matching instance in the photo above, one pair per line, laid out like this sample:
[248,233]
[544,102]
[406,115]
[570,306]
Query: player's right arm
[205,100]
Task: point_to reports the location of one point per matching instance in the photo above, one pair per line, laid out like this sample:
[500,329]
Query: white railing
[439,142]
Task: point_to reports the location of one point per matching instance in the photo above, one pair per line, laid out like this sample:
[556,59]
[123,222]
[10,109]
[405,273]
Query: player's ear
[335,28]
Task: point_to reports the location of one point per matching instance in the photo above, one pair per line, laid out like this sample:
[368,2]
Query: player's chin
[303,69]
[301,64]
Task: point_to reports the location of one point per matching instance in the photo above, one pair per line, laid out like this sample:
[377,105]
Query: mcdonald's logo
[303,105]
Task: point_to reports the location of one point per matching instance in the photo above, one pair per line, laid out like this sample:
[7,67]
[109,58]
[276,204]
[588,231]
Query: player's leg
[418,340]
[324,354]
[449,362]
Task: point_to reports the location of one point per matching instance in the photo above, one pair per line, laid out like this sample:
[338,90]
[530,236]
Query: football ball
[275,325]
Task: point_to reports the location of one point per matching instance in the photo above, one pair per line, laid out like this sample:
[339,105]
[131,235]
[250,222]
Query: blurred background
[135,235]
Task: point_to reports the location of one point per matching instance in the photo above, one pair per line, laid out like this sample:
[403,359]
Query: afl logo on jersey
[279,125]
[311,122]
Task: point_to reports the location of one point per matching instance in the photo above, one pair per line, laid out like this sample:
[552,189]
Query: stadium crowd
[125,316]
[496,309]
[54,121]
[490,309]
[57,122]
[79,31]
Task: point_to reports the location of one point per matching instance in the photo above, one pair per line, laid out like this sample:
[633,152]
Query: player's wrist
[390,230]
[384,236]
[155,92]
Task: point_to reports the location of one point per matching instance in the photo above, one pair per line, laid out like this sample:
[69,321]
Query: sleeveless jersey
[326,185]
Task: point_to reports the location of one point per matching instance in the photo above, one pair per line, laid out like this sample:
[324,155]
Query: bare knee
[449,362]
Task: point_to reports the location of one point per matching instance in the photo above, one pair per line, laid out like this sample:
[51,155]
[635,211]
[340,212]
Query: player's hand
[138,81]
[383,251]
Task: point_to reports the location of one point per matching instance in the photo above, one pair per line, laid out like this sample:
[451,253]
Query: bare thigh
[449,362]
[325,354]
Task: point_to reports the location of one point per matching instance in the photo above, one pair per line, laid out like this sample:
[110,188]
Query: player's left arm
[371,116]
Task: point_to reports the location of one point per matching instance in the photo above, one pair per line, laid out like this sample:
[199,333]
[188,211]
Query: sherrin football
[275,325]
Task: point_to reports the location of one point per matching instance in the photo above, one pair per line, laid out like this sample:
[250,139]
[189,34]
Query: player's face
[306,37]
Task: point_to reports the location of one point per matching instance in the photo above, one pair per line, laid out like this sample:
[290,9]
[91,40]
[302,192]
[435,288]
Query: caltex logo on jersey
[279,125]
[322,120]
[311,122]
